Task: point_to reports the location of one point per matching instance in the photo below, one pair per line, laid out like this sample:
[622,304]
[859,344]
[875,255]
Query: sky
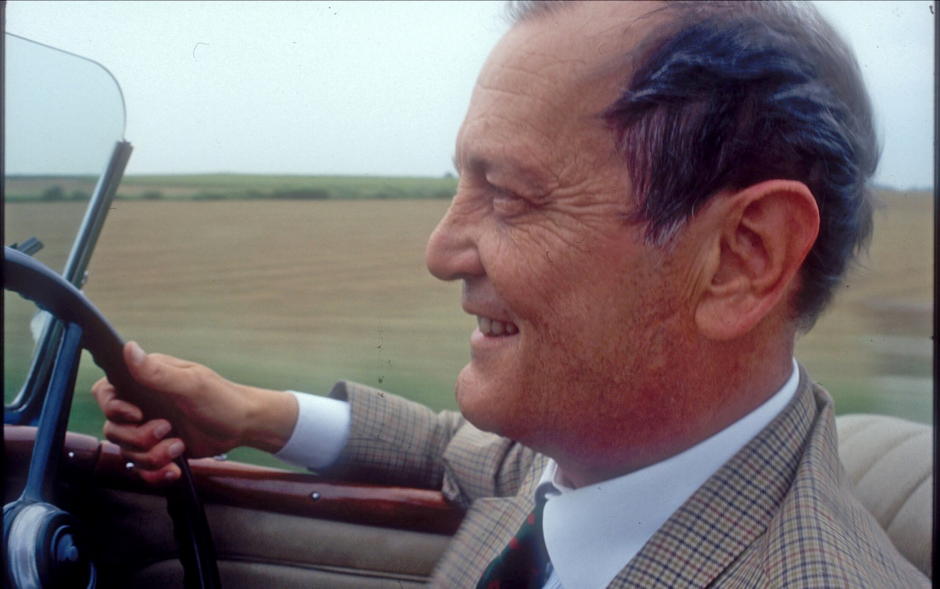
[381,88]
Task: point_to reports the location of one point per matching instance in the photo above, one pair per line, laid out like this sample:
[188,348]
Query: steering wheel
[44,545]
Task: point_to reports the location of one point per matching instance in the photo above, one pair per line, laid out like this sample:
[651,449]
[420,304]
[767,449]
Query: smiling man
[653,201]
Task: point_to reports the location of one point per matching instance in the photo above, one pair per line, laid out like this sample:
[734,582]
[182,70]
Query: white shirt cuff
[320,433]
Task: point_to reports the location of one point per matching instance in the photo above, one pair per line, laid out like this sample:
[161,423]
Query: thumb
[134,355]
[143,368]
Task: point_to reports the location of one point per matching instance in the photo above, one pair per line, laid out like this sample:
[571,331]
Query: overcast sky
[381,88]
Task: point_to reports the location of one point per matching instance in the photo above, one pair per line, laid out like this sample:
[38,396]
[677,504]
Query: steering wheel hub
[45,548]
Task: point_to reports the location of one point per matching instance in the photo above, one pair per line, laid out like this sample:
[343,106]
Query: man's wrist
[270,420]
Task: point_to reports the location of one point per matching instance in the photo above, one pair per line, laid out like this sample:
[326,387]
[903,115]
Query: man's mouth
[494,327]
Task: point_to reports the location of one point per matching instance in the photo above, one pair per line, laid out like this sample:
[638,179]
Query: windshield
[64,115]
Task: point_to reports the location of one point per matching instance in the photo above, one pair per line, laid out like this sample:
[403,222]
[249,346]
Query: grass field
[298,294]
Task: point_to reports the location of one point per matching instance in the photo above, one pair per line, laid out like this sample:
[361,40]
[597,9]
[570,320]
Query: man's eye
[507,203]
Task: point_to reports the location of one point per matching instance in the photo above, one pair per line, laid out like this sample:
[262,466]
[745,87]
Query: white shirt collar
[593,532]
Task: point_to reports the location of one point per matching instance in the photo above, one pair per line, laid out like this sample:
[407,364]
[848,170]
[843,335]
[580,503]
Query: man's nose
[452,252]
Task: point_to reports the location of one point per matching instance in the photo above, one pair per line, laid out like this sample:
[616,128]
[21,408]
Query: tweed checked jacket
[780,513]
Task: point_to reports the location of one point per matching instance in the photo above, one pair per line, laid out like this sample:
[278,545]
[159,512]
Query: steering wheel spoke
[54,418]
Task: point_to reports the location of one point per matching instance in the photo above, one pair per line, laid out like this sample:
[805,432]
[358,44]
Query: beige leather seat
[891,462]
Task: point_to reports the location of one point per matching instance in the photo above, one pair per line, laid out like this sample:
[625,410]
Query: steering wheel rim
[34,281]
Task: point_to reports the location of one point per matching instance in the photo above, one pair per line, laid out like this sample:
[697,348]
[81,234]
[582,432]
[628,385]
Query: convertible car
[74,513]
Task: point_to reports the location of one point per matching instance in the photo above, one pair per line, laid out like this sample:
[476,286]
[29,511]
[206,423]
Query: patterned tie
[521,565]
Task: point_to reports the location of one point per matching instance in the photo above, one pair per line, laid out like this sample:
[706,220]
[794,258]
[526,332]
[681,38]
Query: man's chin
[478,403]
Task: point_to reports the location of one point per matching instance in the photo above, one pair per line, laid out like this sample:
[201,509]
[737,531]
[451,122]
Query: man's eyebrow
[513,174]
[478,162]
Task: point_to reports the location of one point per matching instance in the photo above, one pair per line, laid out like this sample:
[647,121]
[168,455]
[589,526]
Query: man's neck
[756,394]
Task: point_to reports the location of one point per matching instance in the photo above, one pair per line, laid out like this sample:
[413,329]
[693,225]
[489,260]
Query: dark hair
[729,94]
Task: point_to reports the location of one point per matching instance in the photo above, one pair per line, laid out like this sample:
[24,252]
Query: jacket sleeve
[394,441]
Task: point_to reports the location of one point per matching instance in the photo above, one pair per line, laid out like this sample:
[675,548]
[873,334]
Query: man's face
[578,318]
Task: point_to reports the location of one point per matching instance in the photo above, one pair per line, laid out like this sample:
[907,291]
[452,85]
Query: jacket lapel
[484,533]
[730,511]
[486,529]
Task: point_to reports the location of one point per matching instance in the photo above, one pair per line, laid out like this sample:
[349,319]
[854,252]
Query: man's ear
[760,236]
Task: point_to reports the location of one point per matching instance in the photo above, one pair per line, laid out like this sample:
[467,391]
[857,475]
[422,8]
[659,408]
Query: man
[654,200]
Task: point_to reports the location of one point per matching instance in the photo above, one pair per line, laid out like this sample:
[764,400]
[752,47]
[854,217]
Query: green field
[234,187]
[300,293]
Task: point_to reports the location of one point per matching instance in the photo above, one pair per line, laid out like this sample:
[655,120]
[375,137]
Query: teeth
[493,327]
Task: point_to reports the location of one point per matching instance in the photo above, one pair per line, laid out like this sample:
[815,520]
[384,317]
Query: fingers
[137,437]
[158,457]
[165,475]
[161,476]
[145,446]
[114,409]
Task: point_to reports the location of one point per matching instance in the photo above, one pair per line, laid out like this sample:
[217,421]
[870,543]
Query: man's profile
[654,200]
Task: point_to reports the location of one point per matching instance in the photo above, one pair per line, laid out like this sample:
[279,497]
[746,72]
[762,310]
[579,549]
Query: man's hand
[211,415]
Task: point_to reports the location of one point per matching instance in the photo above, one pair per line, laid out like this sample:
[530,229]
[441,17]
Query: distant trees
[53,193]
[57,193]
